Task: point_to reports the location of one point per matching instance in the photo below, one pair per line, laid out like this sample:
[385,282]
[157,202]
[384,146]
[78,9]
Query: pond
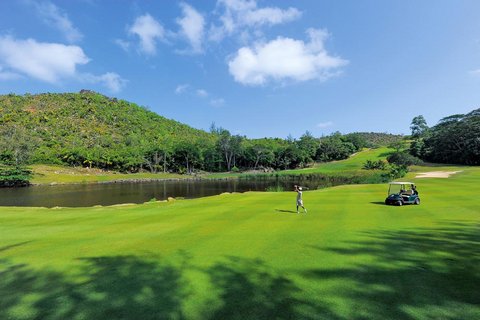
[86,195]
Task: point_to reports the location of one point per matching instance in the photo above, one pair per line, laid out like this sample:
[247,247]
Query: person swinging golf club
[298,189]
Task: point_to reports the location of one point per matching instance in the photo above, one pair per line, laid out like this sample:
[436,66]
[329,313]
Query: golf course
[251,256]
[239,160]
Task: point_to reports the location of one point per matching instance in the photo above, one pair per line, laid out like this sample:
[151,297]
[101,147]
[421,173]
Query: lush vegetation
[14,176]
[403,158]
[57,174]
[250,256]
[455,139]
[89,130]
[346,171]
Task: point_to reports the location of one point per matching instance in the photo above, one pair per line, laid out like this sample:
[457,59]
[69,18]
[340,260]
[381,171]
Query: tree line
[454,139]
[91,130]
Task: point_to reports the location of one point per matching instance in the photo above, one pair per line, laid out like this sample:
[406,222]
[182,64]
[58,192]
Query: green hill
[88,129]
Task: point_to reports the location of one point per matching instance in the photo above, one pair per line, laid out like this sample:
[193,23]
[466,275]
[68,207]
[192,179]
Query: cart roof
[400,182]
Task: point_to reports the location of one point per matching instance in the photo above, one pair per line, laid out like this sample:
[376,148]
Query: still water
[85,195]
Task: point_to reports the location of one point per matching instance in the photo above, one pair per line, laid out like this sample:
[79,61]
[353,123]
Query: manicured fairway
[250,256]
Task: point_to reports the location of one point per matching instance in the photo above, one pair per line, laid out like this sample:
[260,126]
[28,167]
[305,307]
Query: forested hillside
[91,130]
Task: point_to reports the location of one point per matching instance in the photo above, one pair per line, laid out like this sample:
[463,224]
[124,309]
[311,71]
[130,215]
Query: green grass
[249,256]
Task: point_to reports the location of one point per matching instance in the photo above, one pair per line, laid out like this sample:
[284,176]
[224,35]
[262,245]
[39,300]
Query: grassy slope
[250,256]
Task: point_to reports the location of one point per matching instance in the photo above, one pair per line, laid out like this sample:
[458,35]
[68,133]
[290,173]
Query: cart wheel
[399,203]
[417,201]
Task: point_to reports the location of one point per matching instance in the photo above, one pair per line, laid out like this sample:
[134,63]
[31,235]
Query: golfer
[299,198]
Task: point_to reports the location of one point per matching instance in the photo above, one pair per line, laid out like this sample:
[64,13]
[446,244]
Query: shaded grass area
[423,273]
[249,256]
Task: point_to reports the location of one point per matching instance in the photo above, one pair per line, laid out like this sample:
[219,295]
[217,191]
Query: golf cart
[400,193]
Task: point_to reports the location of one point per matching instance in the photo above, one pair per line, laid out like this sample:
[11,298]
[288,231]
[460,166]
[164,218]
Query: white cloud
[111,80]
[285,59]
[125,45]
[240,14]
[475,72]
[49,62]
[202,93]
[325,124]
[181,88]
[44,61]
[192,27]
[149,31]
[54,17]
[8,75]
[217,102]
[270,16]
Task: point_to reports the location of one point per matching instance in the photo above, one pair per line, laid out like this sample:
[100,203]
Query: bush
[14,176]
[403,158]
[374,165]
[395,172]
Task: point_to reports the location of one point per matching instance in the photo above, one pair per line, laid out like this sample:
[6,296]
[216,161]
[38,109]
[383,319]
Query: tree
[15,145]
[418,126]
[397,145]
[455,139]
[308,145]
[237,148]
[230,146]
[188,153]
[403,158]
[357,139]
[334,148]
[260,153]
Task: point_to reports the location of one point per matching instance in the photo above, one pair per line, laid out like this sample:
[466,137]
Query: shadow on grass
[411,274]
[285,211]
[248,289]
[386,154]
[112,288]
[378,202]
[127,287]
[5,248]
[408,274]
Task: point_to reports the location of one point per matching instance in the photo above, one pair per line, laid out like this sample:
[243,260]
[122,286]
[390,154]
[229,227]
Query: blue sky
[257,68]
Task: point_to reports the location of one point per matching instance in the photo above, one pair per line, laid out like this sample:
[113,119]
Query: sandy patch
[436,174]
